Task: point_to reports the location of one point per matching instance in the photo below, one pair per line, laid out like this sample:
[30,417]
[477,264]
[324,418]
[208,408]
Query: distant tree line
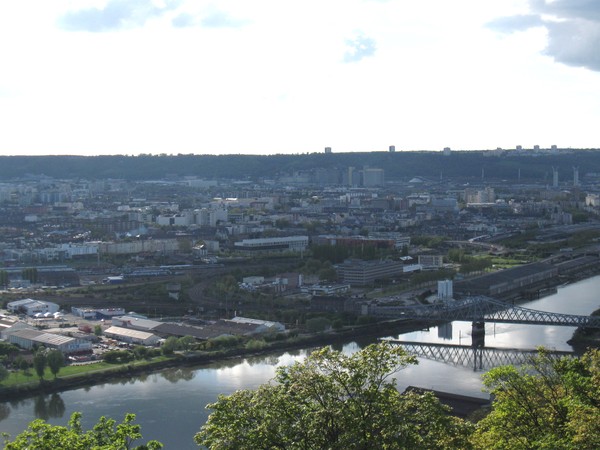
[397,165]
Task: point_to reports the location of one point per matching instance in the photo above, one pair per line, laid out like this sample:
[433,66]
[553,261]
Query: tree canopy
[334,401]
[40,362]
[553,404]
[105,435]
[55,360]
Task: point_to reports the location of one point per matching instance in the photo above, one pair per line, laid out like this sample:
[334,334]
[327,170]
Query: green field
[20,378]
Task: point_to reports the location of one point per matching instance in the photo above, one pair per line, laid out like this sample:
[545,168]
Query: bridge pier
[478,333]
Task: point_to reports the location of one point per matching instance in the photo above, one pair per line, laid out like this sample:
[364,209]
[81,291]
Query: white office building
[444,290]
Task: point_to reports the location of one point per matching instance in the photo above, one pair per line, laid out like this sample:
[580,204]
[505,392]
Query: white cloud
[358,48]
[268,76]
[573,28]
[520,22]
[114,15]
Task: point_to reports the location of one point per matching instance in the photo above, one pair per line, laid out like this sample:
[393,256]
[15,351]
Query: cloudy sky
[289,76]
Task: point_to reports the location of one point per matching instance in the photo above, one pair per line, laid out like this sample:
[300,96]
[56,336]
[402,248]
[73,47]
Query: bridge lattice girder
[477,358]
[489,310]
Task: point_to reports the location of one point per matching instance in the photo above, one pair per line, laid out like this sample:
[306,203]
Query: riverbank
[128,370]
[584,338]
[580,340]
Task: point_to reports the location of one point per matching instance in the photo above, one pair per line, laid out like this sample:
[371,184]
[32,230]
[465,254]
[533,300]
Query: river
[170,405]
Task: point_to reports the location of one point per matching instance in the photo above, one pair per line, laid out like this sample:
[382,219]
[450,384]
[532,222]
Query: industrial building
[32,307]
[360,273]
[264,326]
[508,280]
[96,314]
[281,244]
[9,325]
[28,338]
[431,261]
[132,336]
[135,323]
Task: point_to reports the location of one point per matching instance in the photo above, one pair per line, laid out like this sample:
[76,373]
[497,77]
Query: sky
[107,77]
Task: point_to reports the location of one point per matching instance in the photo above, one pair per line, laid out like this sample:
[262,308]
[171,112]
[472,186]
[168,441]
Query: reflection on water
[178,374]
[170,405]
[4,411]
[46,407]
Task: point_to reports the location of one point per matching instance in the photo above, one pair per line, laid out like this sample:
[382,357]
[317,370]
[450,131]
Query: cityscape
[343,225]
[99,269]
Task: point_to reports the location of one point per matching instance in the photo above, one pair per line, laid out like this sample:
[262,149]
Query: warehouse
[275,244]
[27,339]
[31,307]
[508,280]
[131,336]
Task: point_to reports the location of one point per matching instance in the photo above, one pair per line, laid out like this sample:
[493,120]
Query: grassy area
[20,378]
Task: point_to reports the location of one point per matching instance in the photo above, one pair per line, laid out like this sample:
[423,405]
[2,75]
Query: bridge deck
[485,309]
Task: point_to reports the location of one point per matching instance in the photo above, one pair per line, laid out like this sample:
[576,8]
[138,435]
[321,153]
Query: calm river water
[170,405]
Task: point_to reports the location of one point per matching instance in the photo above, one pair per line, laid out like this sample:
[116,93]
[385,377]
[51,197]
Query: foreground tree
[553,404]
[334,401]
[106,435]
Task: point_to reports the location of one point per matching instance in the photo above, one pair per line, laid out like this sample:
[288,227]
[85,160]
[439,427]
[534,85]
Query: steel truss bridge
[478,358]
[486,309]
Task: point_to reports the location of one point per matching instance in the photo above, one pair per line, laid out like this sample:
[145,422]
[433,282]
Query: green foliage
[397,165]
[255,344]
[24,365]
[519,241]
[580,216]
[170,345]
[223,342]
[331,253]
[583,238]
[4,280]
[365,320]
[456,255]
[328,274]
[553,404]
[317,324]
[334,401]
[282,223]
[31,274]
[7,349]
[3,373]
[140,352]
[98,330]
[39,363]
[475,265]
[429,276]
[105,435]
[427,241]
[118,356]
[55,360]
[186,343]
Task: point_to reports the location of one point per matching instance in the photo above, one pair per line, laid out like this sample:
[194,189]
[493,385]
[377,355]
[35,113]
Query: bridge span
[478,358]
[483,309]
